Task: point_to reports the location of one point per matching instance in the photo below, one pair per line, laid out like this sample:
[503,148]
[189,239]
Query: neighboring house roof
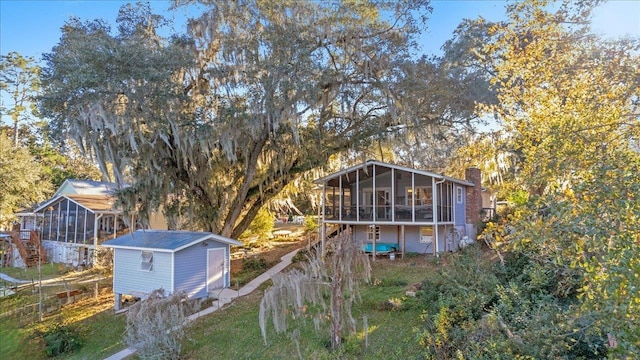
[85,187]
[165,240]
[391,166]
[94,203]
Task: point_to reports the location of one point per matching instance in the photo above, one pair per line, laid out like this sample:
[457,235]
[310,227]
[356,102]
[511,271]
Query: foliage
[335,273]
[20,179]
[478,309]
[155,326]
[568,101]
[214,123]
[261,225]
[252,264]
[61,339]
[589,234]
[310,224]
[303,255]
[19,83]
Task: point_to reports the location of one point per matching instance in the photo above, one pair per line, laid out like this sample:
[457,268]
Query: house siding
[129,279]
[157,221]
[191,269]
[392,234]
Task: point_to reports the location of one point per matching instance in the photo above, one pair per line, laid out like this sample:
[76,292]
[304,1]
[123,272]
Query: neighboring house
[403,209]
[75,221]
[197,263]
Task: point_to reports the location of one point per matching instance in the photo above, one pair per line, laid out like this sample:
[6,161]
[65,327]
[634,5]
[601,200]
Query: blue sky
[32,27]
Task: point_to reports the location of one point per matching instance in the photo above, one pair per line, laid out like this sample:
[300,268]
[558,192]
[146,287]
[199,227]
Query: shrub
[252,264]
[310,224]
[301,256]
[155,326]
[60,339]
[261,225]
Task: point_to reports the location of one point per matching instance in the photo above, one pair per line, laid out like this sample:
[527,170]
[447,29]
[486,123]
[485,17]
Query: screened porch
[384,194]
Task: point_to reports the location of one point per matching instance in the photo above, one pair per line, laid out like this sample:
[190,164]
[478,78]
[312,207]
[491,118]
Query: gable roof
[165,240]
[93,203]
[390,166]
[85,187]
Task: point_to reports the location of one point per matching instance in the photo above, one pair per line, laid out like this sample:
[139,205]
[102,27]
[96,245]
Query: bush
[60,339]
[477,310]
[253,264]
[155,326]
[301,256]
[261,225]
[310,224]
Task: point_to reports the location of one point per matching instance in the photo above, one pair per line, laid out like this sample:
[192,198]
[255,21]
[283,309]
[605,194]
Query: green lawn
[98,328]
[235,333]
[48,271]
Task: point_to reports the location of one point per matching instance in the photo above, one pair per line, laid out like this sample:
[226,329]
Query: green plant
[310,224]
[260,226]
[301,256]
[60,339]
[252,264]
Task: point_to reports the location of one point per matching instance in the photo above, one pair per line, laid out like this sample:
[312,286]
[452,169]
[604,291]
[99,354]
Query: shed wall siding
[191,269]
[129,279]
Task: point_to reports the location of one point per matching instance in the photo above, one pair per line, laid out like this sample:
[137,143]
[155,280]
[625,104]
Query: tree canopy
[20,179]
[568,103]
[217,121]
[20,81]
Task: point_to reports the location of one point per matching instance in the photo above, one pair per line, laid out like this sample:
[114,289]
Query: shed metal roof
[165,240]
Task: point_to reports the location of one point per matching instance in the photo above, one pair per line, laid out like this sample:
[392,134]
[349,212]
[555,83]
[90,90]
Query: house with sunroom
[74,222]
[391,208]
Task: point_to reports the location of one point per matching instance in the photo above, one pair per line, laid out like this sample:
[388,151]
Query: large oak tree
[213,123]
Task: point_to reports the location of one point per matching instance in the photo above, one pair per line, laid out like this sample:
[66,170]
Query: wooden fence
[51,304]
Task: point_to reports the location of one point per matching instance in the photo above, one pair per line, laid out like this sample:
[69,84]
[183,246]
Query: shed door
[215,269]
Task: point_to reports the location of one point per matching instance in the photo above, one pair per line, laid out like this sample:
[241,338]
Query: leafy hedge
[477,308]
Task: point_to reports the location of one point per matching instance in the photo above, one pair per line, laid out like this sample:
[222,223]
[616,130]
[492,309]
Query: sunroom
[404,209]
[379,193]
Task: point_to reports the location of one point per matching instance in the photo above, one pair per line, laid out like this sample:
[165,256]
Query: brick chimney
[473,196]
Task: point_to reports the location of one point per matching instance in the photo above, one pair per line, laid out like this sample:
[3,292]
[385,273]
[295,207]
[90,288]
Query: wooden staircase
[29,248]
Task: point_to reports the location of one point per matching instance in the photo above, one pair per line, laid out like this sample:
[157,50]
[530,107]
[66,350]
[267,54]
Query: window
[373,231]
[146,260]
[459,194]
[426,234]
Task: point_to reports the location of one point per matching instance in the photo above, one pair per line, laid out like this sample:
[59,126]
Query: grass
[235,333]
[93,320]
[48,271]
